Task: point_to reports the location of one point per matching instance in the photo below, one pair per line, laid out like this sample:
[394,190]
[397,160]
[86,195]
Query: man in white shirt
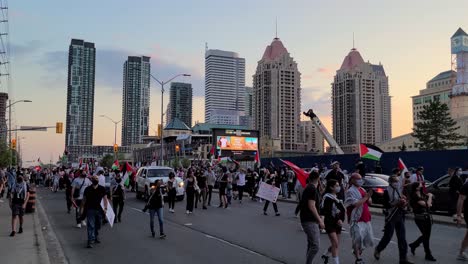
[419,177]
[102,178]
[241,183]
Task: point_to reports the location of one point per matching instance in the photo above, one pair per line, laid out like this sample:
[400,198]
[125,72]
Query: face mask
[394,184]
[359,183]
[407,176]
[338,189]
[95,182]
[118,180]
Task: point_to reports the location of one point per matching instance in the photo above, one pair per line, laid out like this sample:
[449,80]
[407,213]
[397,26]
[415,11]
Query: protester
[357,206]
[190,183]
[101,177]
[229,189]
[91,207]
[291,178]
[79,185]
[394,203]
[211,180]
[299,189]
[68,191]
[421,205]
[310,216]
[117,195]
[19,197]
[156,206]
[241,184]
[222,189]
[56,180]
[202,189]
[272,181]
[455,185]
[337,175]
[284,182]
[419,177]
[462,206]
[171,191]
[334,214]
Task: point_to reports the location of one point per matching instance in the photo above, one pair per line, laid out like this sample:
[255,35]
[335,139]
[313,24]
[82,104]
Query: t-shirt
[366,215]
[102,180]
[241,179]
[464,191]
[223,142]
[201,181]
[310,193]
[77,182]
[19,192]
[94,196]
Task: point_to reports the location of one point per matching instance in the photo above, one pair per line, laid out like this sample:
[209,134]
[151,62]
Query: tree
[437,129]
[186,163]
[5,156]
[402,147]
[107,161]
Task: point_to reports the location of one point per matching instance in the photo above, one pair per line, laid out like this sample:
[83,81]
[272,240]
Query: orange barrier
[31,205]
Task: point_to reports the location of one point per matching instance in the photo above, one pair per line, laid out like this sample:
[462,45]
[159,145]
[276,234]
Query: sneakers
[462,257]
[78,225]
[153,234]
[20,230]
[277,214]
[187,212]
[265,213]
[12,234]
[323,231]
[162,236]
[83,223]
[89,245]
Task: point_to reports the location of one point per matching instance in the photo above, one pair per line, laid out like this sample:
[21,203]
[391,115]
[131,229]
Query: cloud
[317,99]
[21,50]
[323,70]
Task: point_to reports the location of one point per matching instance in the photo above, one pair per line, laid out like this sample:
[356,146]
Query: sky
[410,38]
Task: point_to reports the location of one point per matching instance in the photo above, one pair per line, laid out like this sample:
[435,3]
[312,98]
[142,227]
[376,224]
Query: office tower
[224,87]
[277,96]
[181,102]
[168,112]
[80,93]
[438,88]
[459,95]
[3,124]
[361,110]
[136,100]
[247,120]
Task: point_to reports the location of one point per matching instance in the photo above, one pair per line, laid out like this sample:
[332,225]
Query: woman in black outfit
[455,185]
[421,203]
[156,206]
[272,181]
[171,194]
[222,189]
[190,191]
[334,213]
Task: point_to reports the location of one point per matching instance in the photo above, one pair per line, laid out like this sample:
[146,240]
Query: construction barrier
[31,205]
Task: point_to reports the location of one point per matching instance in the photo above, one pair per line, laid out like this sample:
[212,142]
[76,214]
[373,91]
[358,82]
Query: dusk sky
[410,38]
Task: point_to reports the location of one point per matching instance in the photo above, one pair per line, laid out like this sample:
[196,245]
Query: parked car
[378,185]
[147,176]
[440,189]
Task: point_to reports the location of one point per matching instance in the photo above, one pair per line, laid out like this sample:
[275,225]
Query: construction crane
[334,147]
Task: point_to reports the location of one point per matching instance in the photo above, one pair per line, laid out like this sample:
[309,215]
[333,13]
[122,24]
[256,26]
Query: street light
[9,123]
[115,126]
[162,83]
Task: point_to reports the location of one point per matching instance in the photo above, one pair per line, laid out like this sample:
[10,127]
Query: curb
[39,241]
[51,244]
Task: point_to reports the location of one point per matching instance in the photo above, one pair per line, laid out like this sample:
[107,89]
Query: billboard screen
[241,145]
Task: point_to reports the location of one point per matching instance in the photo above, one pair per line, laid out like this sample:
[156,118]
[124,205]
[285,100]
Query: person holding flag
[117,195]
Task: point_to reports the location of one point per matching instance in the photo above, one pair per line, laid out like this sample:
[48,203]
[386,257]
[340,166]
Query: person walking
[19,197]
[156,206]
[421,204]
[272,181]
[357,204]
[211,180]
[455,185]
[171,191]
[291,178]
[337,174]
[241,183]
[419,177]
[394,204]
[222,189]
[202,189]
[91,206]
[79,185]
[68,191]
[117,195]
[310,216]
[462,207]
[334,214]
[190,183]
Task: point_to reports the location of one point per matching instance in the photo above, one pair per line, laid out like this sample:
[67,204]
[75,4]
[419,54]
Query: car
[377,175]
[147,176]
[440,189]
[378,185]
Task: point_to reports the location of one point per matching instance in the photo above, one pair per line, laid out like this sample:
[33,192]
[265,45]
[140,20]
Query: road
[239,234]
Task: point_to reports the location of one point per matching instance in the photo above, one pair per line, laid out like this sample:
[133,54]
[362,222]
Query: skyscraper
[459,95]
[180,102]
[247,120]
[277,96]
[361,110]
[136,100]
[80,93]
[224,87]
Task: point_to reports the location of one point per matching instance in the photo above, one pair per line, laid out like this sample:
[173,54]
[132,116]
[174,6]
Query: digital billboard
[241,145]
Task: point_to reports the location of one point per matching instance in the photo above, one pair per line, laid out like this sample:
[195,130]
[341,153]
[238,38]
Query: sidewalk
[28,247]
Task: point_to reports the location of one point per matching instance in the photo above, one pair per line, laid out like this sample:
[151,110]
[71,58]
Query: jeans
[190,198]
[284,189]
[267,203]
[118,203]
[240,188]
[171,196]
[210,191]
[396,223]
[312,231]
[425,226]
[160,219]
[94,220]
[290,188]
[203,194]
[69,201]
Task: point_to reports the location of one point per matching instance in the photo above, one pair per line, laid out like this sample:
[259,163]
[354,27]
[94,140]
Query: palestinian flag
[300,173]
[257,158]
[116,165]
[402,167]
[129,172]
[368,151]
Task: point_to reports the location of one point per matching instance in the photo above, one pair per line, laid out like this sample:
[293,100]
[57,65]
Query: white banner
[268,192]
[110,215]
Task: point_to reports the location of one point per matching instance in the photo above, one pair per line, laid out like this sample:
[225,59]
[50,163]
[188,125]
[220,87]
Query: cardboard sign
[268,192]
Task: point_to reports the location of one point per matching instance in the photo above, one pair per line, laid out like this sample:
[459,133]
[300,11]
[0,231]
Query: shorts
[332,228]
[17,210]
[222,191]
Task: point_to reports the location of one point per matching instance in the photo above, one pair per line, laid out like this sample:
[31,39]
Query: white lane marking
[188,224]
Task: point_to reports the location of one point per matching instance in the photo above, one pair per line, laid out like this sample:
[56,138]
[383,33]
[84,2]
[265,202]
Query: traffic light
[116,148]
[177,148]
[59,128]
[159,130]
[13,143]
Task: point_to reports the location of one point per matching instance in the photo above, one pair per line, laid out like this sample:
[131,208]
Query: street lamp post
[115,128]
[162,83]
[9,123]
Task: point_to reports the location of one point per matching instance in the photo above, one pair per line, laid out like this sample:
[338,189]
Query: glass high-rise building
[180,102]
[80,93]
[136,100]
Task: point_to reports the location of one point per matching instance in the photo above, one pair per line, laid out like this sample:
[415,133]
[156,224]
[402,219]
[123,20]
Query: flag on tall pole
[300,173]
[368,151]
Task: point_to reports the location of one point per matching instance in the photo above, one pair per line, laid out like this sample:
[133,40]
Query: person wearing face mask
[357,203]
[79,185]
[92,197]
[117,195]
[334,214]
[455,185]
[18,199]
[394,203]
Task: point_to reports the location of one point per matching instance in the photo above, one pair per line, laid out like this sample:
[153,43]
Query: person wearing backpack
[117,195]
[19,197]
[79,185]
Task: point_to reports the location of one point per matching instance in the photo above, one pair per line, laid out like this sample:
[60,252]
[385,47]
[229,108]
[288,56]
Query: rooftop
[443,75]
[274,50]
[352,60]
[459,32]
[176,124]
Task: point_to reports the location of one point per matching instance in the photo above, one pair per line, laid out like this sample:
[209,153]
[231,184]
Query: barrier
[31,205]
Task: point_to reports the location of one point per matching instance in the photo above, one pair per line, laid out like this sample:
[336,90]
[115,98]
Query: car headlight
[181,184]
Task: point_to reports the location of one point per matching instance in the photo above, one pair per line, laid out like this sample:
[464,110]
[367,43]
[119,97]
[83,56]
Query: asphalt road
[239,234]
